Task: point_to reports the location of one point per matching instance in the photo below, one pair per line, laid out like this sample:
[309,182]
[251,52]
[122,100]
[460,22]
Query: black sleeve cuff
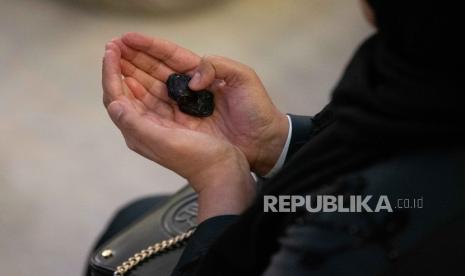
[301,132]
[205,234]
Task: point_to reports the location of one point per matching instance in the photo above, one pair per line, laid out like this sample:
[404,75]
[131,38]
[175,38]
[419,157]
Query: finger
[111,74]
[177,58]
[154,104]
[150,65]
[131,98]
[137,89]
[212,68]
[152,85]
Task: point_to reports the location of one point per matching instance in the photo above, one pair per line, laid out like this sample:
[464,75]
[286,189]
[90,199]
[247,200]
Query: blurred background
[64,168]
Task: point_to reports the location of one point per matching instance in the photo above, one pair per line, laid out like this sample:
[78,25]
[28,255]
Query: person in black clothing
[394,127]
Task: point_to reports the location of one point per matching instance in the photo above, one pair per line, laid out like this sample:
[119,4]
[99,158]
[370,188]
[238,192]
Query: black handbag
[153,244]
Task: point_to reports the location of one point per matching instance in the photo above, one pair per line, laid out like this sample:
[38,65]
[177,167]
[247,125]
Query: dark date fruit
[195,103]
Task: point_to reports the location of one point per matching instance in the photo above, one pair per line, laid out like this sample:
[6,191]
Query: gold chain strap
[152,250]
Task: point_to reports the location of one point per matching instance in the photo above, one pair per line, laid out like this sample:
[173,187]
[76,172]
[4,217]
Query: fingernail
[195,79]
[115,109]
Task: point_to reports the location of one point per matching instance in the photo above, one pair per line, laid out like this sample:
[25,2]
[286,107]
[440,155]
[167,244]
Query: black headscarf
[403,90]
[405,85]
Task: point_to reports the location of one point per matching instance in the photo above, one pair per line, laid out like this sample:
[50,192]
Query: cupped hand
[244,114]
[215,168]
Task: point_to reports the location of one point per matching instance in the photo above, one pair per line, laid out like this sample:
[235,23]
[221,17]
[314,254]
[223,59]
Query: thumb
[217,67]
[125,116]
[115,110]
[132,123]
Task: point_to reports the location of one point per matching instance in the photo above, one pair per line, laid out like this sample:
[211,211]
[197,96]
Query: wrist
[272,145]
[225,188]
[224,200]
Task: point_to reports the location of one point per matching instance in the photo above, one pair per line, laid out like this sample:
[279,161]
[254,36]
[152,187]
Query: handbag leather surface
[172,219]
